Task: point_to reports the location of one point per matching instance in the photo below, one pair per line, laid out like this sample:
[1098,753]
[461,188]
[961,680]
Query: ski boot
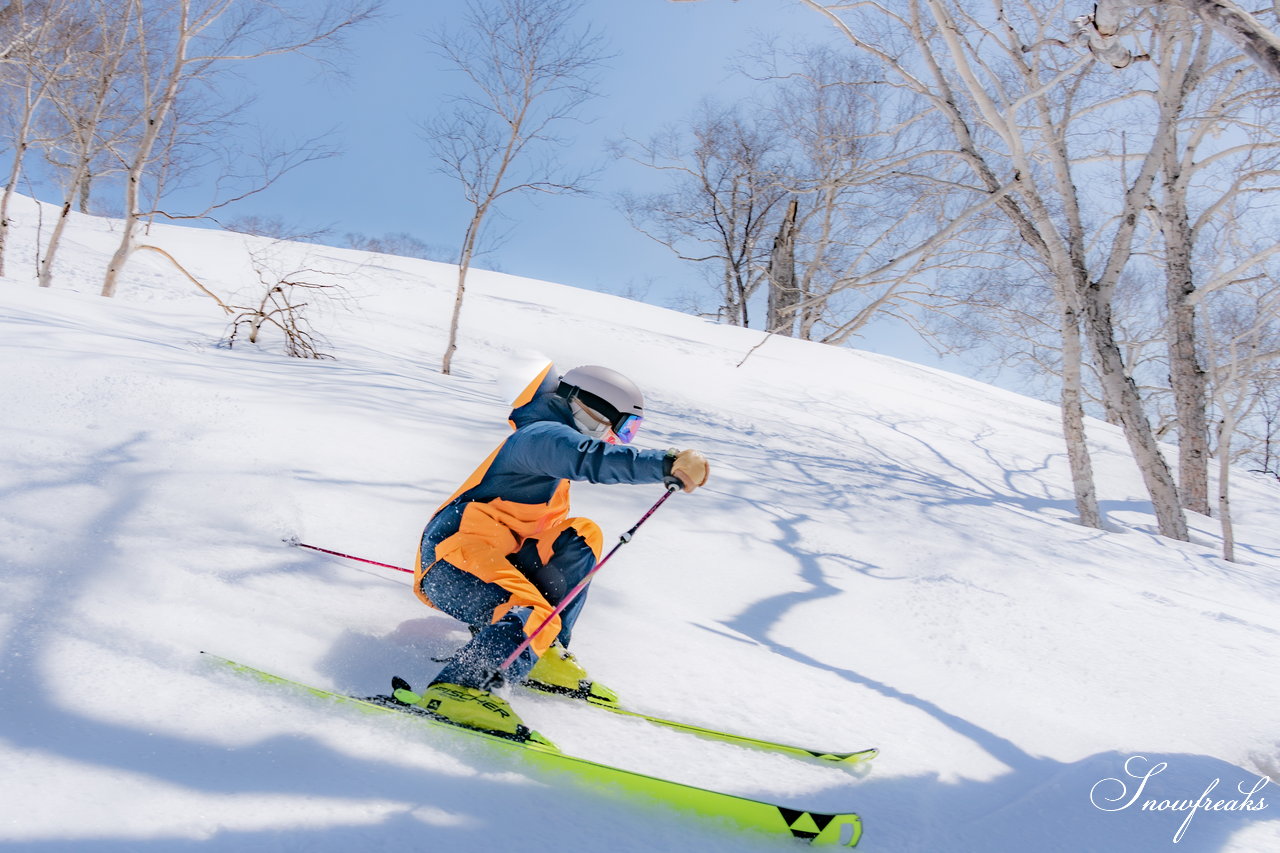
[473,708]
[558,671]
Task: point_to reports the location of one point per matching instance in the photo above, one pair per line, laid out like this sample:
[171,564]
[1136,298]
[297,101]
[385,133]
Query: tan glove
[691,469]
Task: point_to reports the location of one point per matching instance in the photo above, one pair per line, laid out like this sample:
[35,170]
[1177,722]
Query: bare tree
[282,306]
[89,106]
[276,228]
[783,292]
[1104,29]
[1243,347]
[1218,149]
[877,217]
[860,232]
[400,244]
[823,112]
[1023,110]
[529,72]
[1264,454]
[1222,156]
[184,42]
[1018,315]
[37,53]
[1180,61]
[725,183]
[1010,107]
[1103,26]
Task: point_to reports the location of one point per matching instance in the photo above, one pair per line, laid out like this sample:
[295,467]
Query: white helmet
[614,399]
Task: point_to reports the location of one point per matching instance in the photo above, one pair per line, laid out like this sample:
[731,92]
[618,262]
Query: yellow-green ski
[818,828]
[842,759]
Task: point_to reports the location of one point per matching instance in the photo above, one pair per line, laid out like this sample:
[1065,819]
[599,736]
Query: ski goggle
[621,429]
[626,426]
[623,425]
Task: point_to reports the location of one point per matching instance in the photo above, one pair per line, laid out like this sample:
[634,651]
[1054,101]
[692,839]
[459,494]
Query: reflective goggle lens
[626,427]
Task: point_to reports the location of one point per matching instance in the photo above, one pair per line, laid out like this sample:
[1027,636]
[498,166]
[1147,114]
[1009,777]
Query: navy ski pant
[475,601]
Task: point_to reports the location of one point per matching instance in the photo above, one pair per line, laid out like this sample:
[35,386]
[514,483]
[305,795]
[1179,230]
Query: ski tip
[398,683]
[847,758]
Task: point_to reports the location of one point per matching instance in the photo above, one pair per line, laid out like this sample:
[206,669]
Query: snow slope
[885,555]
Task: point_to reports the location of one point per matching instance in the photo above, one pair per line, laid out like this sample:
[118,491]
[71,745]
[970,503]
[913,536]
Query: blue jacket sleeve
[558,450]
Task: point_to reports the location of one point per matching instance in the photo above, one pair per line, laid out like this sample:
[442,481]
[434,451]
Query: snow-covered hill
[885,555]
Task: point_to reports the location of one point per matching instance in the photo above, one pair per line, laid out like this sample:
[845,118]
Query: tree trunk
[14,171]
[21,145]
[782,276]
[127,241]
[1225,431]
[86,192]
[1181,67]
[55,239]
[1073,430]
[1124,400]
[446,365]
[155,115]
[1241,29]
[51,250]
[1186,376]
[464,266]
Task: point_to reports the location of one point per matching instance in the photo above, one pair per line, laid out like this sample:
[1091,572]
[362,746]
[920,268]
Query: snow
[885,555]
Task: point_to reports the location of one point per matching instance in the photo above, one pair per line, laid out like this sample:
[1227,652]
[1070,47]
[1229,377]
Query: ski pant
[505,596]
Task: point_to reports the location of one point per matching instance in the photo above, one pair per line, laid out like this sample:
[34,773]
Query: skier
[503,551]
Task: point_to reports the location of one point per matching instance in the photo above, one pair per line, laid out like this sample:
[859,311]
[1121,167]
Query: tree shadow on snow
[1096,805]
[179,790]
[1037,804]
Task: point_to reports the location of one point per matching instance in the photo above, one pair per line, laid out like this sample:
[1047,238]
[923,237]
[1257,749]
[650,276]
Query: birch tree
[528,72]
[1012,108]
[1263,455]
[1204,97]
[859,227]
[1180,60]
[1111,20]
[783,292]
[1167,157]
[186,40]
[1219,151]
[36,53]
[90,108]
[1243,348]
[877,219]
[724,184]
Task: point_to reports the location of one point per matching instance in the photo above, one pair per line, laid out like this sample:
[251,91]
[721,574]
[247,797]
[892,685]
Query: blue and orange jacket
[522,490]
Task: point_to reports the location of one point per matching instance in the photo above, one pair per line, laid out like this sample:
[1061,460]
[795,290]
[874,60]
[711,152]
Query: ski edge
[841,829]
[843,759]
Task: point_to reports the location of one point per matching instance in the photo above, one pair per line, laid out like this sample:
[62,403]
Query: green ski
[830,830]
[843,759]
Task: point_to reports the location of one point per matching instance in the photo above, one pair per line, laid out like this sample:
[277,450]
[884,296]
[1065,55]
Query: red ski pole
[294,542]
[672,486]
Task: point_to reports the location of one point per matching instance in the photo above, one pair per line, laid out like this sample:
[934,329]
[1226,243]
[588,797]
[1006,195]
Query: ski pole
[672,485]
[294,541]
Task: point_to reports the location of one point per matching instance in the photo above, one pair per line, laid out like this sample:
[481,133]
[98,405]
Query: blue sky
[666,58]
